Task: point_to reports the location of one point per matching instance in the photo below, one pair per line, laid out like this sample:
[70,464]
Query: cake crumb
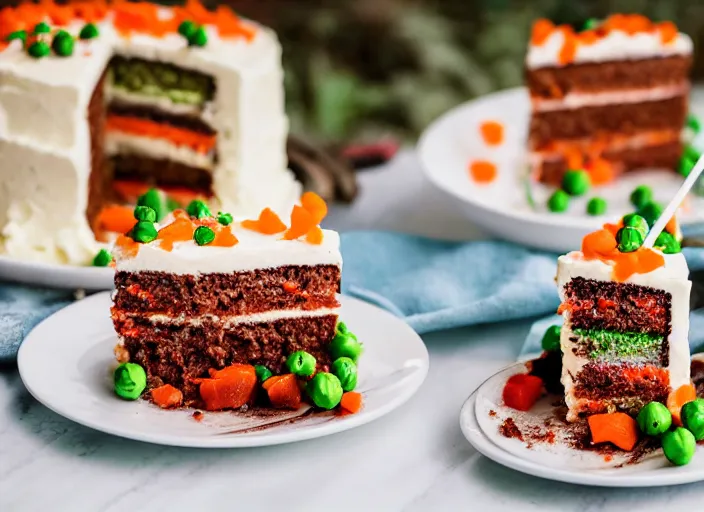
[509,429]
[198,415]
[492,413]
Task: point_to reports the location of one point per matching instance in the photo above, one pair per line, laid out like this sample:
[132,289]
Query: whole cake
[201,299]
[608,99]
[99,101]
[624,340]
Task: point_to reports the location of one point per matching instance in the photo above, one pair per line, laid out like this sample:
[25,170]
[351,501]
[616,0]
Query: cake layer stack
[614,95]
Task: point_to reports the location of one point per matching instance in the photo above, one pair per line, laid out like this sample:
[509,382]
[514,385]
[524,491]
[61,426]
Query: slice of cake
[201,295]
[100,101]
[624,339]
[608,99]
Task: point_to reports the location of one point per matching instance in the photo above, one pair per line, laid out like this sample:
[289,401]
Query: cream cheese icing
[671,278]
[617,45]
[45,137]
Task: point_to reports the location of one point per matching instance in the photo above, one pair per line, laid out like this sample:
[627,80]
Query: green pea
[224,218]
[172,204]
[143,232]
[301,363]
[198,38]
[596,206]
[641,196]
[130,381]
[324,390]
[144,213]
[41,28]
[629,239]
[551,339]
[633,220]
[262,372]
[187,28]
[198,209]
[152,198]
[692,414]
[685,166]
[346,371]
[654,419]
[651,212]
[667,243]
[102,259]
[89,31]
[559,201]
[345,345]
[575,182]
[38,49]
[691,152]
[679,446]
[63,44]
[693,123]
[341,328]
[20,35]
[203,235]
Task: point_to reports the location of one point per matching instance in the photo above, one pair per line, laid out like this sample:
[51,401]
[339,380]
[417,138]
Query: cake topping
[145,213]
[482,171]
[38,49]
[667,243]
[268,223]
[346,372]
[634,220]
[198,38]
[224,218]
[559,201]
[597,206]
[180,230]
[130,381]
[17,35]
[315,236]
[41,28]
[102,259]
[629,239]
[693,123]
[651,211]
[89,31]
[203,235]
[63,44]
[198,209]
[492,132]
[187,28]
[325,390]
[301,363]
[143,232]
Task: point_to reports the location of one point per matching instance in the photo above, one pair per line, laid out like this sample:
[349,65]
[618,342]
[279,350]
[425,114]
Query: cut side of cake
[254,294]
[109,100]
[612,96]
[624,340]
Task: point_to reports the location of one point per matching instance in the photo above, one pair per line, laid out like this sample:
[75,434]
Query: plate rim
[472,431]
[61,276]
[412,383]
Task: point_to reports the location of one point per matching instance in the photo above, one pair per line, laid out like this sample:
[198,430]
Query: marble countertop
[414,459]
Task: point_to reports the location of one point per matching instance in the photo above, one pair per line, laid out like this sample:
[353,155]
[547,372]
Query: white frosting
[126,144]
[254,318]
[617,45]
[45,139]
[671,278]
[578,100]
[254,251]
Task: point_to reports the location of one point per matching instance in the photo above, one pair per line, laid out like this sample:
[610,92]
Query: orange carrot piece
[542,29]
[268,223]
[129,247]
[482,171]
[284,392]
[617,428]
[351,402]
[180,230]
[301,223]
[234,389]
[234,370]
[116,219]
[271,381]
[569,47]
[677,398]
[224,238]
[599,243]
[167,396]
[492,132]
[315,236]
[315,205]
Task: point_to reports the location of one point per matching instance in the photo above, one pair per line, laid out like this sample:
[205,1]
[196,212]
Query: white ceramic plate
[558,461]
[55,275]
[66,363]
[502,207]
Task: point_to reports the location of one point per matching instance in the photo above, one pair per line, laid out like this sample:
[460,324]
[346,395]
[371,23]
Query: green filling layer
[158,79]
[603,343]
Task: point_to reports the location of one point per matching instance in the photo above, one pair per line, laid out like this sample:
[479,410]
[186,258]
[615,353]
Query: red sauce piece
[522,391]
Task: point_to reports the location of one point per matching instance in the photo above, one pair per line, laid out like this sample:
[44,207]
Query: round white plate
[502,207]
[66,363]
[558,461]
[56,275]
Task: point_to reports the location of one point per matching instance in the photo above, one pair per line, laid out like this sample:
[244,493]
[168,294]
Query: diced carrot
[224,237]
[315,205]
[482,171]
[284,392]
[599,243]
[301,223]
[268,223]
[116,219]
[677,398]
[522,391]
[351,402]
[231,391]
[180,230]
[167,396]
[234,370]
[617,428]
[492,132]
[315,236]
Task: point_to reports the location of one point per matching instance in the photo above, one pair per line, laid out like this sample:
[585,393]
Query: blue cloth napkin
[431,284]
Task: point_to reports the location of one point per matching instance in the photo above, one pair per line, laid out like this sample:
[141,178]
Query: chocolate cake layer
[596,381]
[175,354]
[159,172]
[100,172]
[240,293]
[662,156]
[624,119]
[550,83]
[187,122]
[622,307]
